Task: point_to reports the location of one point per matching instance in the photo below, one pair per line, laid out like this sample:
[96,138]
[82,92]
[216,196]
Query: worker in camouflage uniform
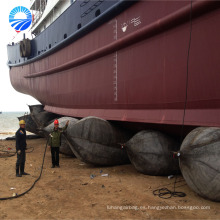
[55,142]
[20,149]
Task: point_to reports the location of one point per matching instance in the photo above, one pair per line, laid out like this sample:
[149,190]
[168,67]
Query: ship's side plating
[134,67]
[78,20]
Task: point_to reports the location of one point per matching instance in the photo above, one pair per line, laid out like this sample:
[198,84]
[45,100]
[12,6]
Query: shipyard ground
[69,192]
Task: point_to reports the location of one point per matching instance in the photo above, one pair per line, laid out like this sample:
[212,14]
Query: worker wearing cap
[55,142]
[20,149]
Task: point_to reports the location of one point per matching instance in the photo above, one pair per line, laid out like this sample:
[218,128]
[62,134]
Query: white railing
[32,2]
[37,14]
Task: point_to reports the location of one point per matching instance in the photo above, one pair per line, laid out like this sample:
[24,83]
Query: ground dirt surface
[69,192]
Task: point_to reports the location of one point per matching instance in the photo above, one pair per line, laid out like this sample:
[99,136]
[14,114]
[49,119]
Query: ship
[140,64]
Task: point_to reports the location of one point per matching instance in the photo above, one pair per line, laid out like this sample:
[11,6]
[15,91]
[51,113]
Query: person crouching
[55,142]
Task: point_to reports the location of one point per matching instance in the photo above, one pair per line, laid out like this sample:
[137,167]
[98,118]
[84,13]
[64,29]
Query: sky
[10,99]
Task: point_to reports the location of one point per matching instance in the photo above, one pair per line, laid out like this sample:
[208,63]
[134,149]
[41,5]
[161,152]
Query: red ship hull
[139,67]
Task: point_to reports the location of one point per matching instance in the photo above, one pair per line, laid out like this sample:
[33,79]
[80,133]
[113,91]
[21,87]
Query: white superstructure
[45,12]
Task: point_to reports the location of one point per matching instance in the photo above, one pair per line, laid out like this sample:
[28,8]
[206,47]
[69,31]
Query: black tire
[25,48]
[21,48]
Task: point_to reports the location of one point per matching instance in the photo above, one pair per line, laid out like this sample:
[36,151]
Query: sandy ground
[69,192]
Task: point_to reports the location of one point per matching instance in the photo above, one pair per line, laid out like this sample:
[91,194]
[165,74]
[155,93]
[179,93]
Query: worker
[20,149]
[55,142]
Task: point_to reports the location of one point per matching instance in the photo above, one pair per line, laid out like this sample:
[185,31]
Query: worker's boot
[22,170]
[17,172]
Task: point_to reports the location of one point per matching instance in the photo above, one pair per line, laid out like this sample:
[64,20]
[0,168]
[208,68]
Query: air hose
[11,154]
[19,195]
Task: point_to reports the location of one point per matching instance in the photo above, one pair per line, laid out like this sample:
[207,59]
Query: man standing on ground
[20,149]
[55,142]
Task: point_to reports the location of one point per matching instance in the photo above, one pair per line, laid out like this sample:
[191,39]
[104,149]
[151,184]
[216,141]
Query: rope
[187,74]
[165,193]
[8,153]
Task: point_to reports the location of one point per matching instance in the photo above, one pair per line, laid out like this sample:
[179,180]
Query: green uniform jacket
[55,140]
